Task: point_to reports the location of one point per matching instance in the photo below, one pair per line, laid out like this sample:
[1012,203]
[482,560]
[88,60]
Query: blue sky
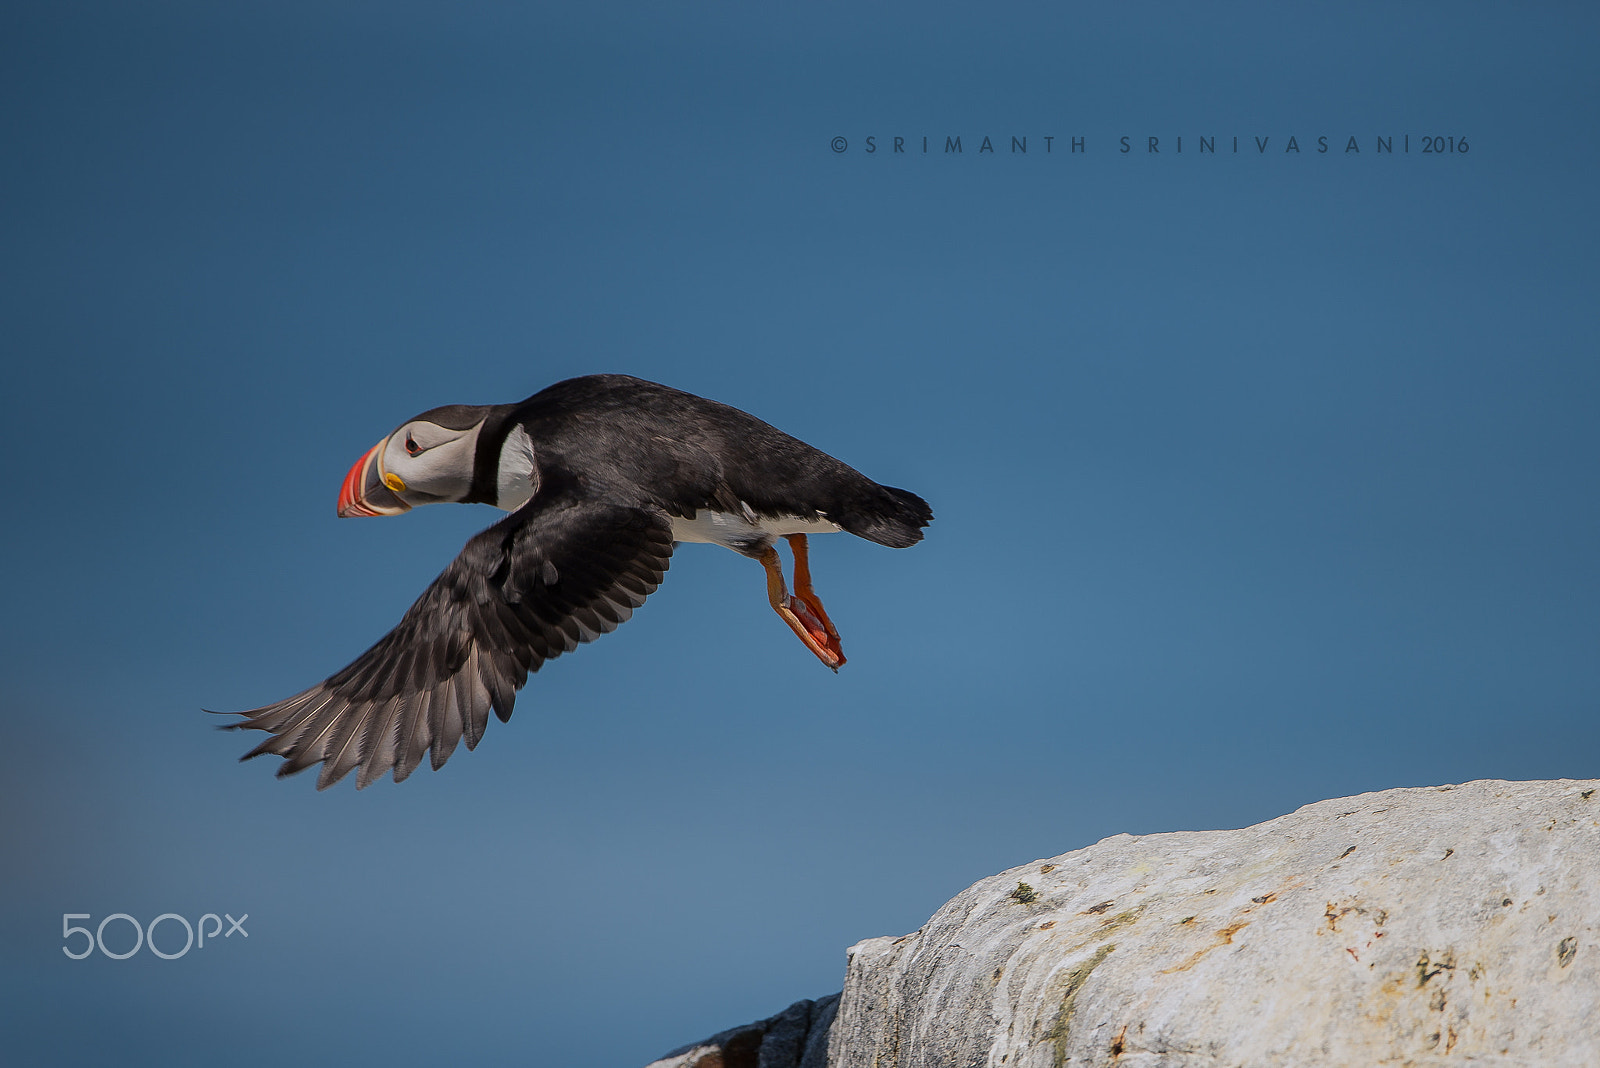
[1260,477]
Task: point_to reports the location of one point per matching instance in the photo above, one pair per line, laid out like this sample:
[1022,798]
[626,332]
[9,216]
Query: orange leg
[803,612]
[803,590]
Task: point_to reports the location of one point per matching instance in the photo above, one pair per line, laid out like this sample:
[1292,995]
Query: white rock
[1436,926]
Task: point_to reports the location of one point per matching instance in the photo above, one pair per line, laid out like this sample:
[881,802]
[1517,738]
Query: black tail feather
[892,517]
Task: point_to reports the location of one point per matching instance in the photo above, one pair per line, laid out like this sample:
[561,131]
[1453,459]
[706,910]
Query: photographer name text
[1402,144]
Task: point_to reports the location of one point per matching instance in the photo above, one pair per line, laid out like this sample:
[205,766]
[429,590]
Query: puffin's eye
[411,445]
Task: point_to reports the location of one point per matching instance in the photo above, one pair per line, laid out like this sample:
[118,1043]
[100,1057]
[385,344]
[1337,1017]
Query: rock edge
[1412,927]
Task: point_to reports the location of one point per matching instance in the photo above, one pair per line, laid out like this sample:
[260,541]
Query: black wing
[531,587]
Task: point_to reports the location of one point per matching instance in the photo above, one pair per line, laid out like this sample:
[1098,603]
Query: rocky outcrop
[1419,927]
[797,1037]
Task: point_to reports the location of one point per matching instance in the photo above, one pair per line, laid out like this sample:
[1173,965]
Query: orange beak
[364,492]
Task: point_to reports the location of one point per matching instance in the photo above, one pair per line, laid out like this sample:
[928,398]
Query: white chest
[514,481]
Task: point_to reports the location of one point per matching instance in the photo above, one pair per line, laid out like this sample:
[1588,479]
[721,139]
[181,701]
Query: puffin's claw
[803,610]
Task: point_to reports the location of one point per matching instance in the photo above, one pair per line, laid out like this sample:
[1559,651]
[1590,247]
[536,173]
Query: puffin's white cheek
[441,473]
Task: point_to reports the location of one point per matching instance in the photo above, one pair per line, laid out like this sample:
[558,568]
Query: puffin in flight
[602,475]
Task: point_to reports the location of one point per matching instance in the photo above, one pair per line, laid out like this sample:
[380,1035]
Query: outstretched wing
[550,575]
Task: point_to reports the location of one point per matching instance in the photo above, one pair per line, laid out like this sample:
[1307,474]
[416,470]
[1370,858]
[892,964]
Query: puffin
[603,476]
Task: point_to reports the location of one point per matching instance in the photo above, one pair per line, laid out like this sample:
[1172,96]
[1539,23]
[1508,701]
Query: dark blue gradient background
[1260,478]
